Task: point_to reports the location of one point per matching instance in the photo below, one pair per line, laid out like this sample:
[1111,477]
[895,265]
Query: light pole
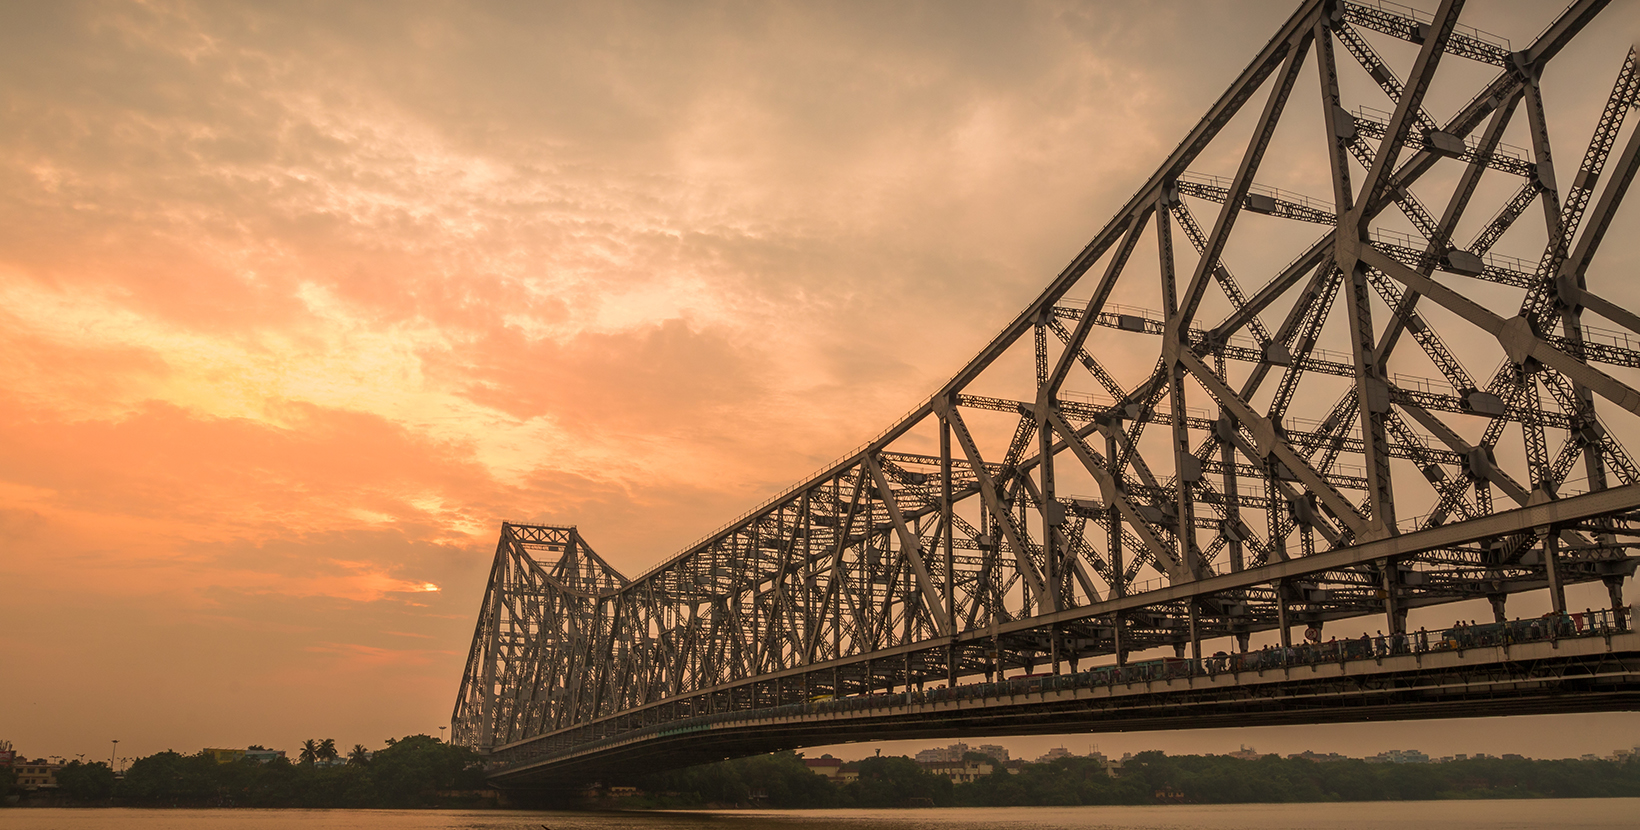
[112,754]
[441,733]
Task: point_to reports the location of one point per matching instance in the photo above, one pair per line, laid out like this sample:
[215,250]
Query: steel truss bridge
[1419,402]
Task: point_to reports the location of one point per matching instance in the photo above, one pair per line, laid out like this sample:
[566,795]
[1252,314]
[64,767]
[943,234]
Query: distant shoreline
[421,773]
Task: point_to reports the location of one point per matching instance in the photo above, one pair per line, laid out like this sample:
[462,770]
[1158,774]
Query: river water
[1571,814]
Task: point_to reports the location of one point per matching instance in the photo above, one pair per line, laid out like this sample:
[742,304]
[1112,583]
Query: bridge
[1158,499]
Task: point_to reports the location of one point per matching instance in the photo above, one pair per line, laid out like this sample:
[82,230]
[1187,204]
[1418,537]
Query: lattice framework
[1022,514]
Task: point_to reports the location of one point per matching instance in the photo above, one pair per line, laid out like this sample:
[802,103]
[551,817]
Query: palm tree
[358,756]
[310,751]
[327,749]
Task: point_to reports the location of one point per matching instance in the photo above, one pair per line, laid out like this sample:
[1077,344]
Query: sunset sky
[300,301]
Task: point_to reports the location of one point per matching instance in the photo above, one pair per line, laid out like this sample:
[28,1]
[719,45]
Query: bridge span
[1569,664]
[1182,498]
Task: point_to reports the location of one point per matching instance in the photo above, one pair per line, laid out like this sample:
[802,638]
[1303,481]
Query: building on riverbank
[1401,756]
[1318,757]
[943,754]
[825,766]
[960,772]
[36,775]
[997,752]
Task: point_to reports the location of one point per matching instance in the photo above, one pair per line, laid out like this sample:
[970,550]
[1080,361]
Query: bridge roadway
[1512,669]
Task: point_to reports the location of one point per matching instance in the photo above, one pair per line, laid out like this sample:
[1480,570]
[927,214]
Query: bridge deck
[1600,672]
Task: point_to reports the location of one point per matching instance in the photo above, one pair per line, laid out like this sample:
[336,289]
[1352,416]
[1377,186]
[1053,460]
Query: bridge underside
[1589,674]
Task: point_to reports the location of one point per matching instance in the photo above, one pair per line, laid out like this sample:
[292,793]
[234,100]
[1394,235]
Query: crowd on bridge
[1311,650]
[1460,636]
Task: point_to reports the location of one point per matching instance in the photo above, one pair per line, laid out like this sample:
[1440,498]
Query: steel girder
[1048,504]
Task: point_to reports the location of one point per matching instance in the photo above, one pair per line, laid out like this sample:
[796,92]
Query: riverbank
[414,771]
[1582,814]
[782,780]
[423,773]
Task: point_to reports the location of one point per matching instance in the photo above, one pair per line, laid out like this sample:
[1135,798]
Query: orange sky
[301,301]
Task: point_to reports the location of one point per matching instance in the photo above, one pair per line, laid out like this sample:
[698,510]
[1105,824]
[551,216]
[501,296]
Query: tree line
[414,771]
[420,771]
[783,781]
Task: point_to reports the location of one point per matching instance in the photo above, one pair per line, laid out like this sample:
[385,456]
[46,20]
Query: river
[1569,814]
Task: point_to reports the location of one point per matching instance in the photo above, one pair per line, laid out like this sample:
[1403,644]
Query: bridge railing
[1458,638]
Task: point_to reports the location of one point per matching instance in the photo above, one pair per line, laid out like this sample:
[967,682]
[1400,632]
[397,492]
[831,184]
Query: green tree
[171,779]
[784,781]
[408,771]
[780,780]
[896,782]
[310,752]
[358,756]
[327,749]
[85,782]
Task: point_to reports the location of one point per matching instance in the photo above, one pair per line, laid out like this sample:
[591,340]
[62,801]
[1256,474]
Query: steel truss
[1043,509]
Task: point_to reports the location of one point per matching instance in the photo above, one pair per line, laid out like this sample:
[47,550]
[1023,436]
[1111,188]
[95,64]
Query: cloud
[356,581]
[299,301]
[357,656]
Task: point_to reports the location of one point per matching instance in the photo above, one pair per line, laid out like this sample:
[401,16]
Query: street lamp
[441,733]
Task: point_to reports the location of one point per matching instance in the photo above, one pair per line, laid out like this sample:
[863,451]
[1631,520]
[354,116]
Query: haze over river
[1569,814]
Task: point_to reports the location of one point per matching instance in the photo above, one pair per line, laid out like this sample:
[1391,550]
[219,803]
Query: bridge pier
[1614,590]
[1282,620]
[1394,614]
[1053,647]
[1551,567]
[1195,636]
[1116,640]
